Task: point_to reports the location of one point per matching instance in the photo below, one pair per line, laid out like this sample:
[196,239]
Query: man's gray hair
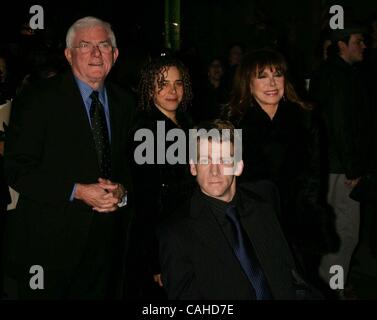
[89,22]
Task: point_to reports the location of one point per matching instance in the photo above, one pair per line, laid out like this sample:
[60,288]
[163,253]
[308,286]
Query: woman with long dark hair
[280,143]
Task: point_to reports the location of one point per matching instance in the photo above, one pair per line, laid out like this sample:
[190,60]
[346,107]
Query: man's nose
[96,51]
[215,169]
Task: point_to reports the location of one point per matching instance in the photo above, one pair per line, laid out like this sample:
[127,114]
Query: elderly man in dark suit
[226,242]
[65,155]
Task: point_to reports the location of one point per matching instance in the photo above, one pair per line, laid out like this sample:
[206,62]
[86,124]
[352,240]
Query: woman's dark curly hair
[253,64]
[155,69]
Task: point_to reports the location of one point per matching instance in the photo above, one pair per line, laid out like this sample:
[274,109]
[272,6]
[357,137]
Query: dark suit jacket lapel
[72,99]
[72,103]
[208,230]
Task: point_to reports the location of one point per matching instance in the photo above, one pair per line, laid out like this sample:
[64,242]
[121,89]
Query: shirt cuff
[123,202]
[72,197]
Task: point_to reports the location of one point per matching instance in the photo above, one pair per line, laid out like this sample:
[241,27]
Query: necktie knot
[96,105]
[94,95]
[231,213]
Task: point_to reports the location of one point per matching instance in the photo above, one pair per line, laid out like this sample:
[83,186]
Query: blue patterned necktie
[100,135]
[246,256]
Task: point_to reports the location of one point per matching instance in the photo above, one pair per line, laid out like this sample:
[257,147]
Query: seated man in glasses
[226,242]
[65,155]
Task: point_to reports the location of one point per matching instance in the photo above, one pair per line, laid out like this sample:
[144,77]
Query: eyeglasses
[86,47]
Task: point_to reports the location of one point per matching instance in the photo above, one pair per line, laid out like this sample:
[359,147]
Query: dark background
[208,26]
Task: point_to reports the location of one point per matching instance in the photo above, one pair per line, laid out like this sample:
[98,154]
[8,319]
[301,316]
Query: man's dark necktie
[100,135]
[246,255]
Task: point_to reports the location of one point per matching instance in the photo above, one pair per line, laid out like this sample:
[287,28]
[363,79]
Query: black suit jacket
[167,186]
[198,263]
[49,148]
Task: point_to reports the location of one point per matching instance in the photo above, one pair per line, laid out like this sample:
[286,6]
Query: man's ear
[239,168]
[193,168]
[68,55]
[342,46]
[115,54]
